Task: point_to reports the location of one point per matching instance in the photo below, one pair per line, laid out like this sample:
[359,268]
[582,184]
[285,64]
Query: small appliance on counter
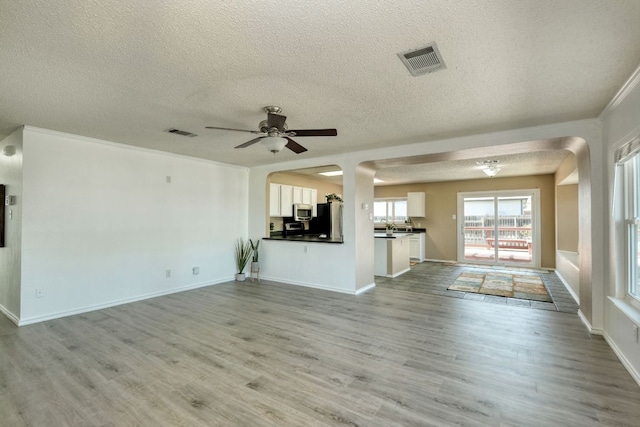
[295,228]
[328,223]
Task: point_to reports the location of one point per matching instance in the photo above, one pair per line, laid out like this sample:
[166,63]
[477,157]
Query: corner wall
[10,260]
[101,224]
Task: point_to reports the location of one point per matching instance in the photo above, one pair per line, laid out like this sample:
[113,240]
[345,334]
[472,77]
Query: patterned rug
[519,286]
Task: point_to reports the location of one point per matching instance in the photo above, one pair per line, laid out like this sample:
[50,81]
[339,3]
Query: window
[390,210]
[632,224]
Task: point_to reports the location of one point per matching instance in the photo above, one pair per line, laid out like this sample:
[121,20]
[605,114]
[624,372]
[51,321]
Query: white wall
[621,122]
[11,177]
[101,225]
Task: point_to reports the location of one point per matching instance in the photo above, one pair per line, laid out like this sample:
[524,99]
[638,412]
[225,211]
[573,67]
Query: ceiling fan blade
[248,143]
[276,121]
[294,146]
[315,132]
[237,130]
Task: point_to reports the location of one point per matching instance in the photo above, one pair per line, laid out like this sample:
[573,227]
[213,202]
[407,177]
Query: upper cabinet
[282,198]
[415,204]
[286,200]
[274,199]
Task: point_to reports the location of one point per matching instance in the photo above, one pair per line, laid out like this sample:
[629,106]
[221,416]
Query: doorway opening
[499,228]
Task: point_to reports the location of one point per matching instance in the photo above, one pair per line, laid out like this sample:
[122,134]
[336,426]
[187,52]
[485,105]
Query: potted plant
[243,252]
[390,226]
[255,264]
[333,197]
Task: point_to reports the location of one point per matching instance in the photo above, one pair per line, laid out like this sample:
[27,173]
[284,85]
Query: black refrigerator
[328,221]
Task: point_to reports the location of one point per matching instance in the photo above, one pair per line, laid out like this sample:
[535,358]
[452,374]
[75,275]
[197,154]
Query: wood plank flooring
[269,354]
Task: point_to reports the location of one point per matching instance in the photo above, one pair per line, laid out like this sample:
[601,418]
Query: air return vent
[423,60]
[180,132]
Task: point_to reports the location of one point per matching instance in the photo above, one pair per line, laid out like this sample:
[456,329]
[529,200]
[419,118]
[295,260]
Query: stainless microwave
[302,212]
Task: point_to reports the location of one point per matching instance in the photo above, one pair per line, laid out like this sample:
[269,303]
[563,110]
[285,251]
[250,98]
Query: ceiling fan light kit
[275,134]
[274,143]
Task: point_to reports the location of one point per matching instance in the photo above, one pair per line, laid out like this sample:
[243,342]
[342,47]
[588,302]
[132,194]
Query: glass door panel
[513,224]
[478,229]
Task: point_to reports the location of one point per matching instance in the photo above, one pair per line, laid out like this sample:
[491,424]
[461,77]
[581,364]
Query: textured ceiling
[126,71]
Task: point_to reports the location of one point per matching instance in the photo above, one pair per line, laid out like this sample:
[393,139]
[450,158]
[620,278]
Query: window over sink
[390,210]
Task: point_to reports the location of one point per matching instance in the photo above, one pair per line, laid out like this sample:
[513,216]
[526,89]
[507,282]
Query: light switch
[453,217]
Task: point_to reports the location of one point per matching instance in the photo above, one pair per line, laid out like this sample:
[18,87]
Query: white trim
[624,91]
[365,288]
[9,315]
[37,319]
[569,289]
[440,260]
[591,329]
[398,273]
[309,285]
[634,374]
[127,146]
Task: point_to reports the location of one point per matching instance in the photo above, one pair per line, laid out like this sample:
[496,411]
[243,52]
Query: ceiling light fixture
[489,167]
[274,143]
[491,171]
[331,173]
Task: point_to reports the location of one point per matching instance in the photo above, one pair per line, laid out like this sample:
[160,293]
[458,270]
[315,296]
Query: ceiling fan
[275,135]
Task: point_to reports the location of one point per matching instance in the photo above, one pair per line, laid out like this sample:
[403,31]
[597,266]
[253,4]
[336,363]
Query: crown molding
[624,91]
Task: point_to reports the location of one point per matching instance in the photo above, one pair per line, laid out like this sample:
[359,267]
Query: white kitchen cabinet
[282,198]
[274,199]
[415,204]
[306,196]
[417,246]
[286,200]
[297,194]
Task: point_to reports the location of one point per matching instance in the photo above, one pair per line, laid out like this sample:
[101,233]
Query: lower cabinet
[417,246]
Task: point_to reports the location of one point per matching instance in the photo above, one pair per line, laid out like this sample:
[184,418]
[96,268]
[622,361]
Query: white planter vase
[240,277]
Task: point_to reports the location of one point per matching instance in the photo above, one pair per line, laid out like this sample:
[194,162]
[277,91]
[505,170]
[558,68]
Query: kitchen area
[304,210]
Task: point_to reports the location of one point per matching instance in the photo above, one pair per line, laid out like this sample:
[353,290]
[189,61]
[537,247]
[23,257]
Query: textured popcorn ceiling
[125,71]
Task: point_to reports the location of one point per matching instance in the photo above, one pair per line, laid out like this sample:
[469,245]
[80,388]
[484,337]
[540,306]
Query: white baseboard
[57,315]
[9,315]
[591,329]
[310,285]
[365,288]
[634,374]
[398,273]
[439,260]
[569,289]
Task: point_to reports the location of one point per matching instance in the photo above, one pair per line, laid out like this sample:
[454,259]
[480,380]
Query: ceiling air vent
[423,60]
[180,132]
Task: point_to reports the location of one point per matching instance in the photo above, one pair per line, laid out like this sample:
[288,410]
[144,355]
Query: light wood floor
[248,354]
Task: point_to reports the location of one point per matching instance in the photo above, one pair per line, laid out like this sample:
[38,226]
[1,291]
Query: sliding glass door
[499,228]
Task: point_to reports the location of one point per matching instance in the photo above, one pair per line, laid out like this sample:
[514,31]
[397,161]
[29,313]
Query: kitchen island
[391,254]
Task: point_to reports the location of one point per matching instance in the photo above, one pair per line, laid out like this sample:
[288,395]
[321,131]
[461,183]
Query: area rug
[519,286]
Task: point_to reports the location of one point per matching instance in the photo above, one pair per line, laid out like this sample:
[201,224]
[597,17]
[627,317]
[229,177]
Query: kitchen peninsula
[391,254]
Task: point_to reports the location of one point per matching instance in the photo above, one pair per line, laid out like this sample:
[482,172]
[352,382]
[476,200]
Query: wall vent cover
[424,60]
[180,132]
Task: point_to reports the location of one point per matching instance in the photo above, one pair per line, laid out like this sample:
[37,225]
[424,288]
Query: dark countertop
[395,235]
[304,238]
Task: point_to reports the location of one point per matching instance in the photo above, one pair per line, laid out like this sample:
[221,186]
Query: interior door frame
[535,224]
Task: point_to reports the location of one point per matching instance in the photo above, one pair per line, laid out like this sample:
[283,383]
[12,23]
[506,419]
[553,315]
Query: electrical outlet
[195,271]
[39,293]
[168,179]
[167,273]
[304,249]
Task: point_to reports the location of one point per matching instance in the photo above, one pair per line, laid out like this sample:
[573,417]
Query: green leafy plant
[243,253]
[254,249]
[333,196]
[390,226]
